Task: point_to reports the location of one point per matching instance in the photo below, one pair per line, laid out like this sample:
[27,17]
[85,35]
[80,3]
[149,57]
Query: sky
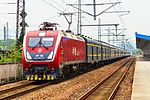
[39,11]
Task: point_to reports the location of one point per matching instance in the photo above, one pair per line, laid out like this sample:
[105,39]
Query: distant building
[143,43]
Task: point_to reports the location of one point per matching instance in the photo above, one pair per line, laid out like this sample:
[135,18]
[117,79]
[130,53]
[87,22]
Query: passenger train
[50,54]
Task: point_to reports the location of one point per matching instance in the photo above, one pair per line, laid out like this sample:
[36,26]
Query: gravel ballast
[74,87]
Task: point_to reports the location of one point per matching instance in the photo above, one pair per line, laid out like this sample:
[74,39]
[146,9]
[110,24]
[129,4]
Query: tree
[13,55]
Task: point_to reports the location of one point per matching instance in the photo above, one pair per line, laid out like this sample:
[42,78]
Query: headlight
[28,56]
[50,55]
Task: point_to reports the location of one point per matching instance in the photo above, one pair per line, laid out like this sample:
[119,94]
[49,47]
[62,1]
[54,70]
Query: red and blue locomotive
[47,51]
[49,54]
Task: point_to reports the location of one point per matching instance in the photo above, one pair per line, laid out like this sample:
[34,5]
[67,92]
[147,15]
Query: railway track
[107,88]
[15,87]
[20,90]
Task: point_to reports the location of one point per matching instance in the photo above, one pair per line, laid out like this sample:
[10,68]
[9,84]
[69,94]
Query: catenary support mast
[20,21]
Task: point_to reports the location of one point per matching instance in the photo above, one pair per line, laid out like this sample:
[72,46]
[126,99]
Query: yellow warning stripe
[45,77]
[93,45]
[101,55]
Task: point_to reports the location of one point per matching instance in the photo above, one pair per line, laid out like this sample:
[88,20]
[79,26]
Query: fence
[10,72]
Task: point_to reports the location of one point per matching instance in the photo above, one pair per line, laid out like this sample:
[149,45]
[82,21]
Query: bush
[13,55]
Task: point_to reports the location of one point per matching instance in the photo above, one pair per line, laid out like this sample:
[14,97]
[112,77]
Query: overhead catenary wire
[58,4]
[121,20]
[3,15]
[51,5]
[62,11]
[61,7]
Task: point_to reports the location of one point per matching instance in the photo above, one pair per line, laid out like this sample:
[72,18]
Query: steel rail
[26,91]
[89,92]
[114,92]
[14,88]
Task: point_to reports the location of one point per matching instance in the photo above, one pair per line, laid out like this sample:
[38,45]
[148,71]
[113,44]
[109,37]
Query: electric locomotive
[50,54]
[47,53]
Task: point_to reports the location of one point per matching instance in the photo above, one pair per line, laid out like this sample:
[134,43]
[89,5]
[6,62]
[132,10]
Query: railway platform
[141,83]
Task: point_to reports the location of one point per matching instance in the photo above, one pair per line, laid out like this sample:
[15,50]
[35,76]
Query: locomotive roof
[72,36]
[93,41]
[90,40]
[63,33]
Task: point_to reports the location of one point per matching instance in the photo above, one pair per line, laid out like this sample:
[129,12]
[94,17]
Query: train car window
[89,49]
[94,52]
[89,52]
[48,41]
[105,53]
[33,41]
[97,52]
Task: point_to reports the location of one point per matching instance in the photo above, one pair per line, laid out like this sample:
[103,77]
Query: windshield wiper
[40,44]
[36,45]
[44,45]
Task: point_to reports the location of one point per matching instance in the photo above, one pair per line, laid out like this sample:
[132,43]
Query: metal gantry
[79,18]
[21,14]
[79,24]
[20,21]
[69,21]
[99,30]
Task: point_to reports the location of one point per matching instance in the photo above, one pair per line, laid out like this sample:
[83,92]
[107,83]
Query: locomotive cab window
[37,41]
[33,41]
[48,41]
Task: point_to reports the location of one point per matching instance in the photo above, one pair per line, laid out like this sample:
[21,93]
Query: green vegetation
[12,54]
[7,45]
[137,52]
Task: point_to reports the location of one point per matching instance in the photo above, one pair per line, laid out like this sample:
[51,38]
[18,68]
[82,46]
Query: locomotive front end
[39,58]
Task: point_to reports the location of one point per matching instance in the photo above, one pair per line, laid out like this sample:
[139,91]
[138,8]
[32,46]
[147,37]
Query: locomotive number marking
[74,51]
